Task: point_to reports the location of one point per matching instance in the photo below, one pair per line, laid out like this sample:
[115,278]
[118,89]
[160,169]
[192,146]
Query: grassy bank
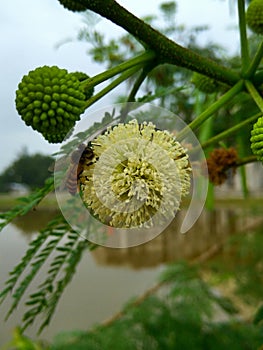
[8,201]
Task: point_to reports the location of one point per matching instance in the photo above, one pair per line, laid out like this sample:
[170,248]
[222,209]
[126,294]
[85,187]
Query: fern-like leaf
[56,228]
[39,299]
[94,130]
[50,290]
[34,246]
[18,270]
[71,263]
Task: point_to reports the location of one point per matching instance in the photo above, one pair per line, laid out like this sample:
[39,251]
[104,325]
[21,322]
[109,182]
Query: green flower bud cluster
[205,84]
[254,16]
[50,100]
[73,5]
[257,139]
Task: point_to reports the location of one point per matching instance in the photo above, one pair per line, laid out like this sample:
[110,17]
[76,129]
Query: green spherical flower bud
[75,6]
[254,16]
[53,137]
[257,139]
[206,84]
[83,76]
[43,104]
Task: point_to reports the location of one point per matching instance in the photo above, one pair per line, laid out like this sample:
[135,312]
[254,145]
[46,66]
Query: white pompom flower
[139,177]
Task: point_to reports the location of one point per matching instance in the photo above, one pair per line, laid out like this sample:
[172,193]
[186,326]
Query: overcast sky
[30,29]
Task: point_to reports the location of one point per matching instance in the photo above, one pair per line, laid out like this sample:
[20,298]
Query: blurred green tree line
[30,170]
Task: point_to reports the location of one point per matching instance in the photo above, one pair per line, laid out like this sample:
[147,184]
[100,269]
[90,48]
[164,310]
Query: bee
[82,155]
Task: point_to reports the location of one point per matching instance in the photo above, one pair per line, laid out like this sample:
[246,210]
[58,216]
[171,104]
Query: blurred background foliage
[27,169]
[182,312]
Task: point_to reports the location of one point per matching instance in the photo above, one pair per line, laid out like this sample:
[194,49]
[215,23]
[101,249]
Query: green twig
[138,83]
[254,94]
[134,90]
[228,96]
[242,169]
[246,160]
[243,35]
[255,62]
[124,76]
[100,78]
[230,131]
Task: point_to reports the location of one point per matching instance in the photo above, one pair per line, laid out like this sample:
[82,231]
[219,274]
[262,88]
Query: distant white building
[233,186]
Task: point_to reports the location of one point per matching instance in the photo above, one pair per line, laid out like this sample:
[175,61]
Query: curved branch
[167,50]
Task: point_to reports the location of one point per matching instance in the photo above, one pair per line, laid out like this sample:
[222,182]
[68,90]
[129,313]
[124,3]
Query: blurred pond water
[107,278]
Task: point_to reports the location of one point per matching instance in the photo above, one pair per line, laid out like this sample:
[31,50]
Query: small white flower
[139,176]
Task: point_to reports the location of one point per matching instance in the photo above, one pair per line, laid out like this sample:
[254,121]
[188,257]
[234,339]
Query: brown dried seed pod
[219,162]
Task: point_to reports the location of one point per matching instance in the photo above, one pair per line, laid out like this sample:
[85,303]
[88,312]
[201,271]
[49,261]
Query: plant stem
[243,35]
[134,90]
[230,131]
[124,76]
[167,50]
[138,83]
[255,62]
[246,160]
[254,94]
[138,60]
[228,96]
[205,133]
[242,169]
